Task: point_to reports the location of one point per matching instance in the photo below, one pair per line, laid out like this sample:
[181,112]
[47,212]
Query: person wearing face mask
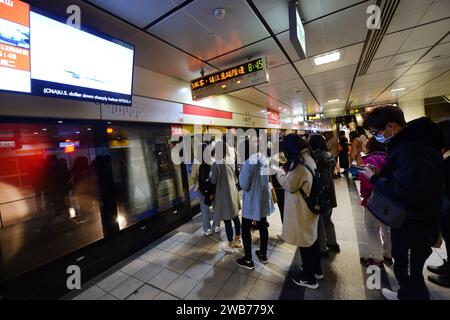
[412,177]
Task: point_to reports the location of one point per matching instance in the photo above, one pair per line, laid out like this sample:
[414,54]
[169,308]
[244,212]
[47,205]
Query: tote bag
[387,211]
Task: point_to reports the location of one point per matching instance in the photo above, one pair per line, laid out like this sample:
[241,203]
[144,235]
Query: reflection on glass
[145,179]
[48,194]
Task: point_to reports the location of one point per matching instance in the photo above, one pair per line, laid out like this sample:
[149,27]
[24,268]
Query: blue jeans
[206,214]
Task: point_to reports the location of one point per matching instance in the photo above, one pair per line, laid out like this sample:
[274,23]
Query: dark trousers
[280,201]
[326,232]
[229,228]
[411,247]
[311,261]
[247,236]
[445,229]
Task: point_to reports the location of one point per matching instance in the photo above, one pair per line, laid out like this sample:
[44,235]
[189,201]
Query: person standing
[379,248]
[356,149]
[442,272]
[257,205]
[412,177]
[363,137]
[325,164]
[203,186]
[343,151]
[332,147]
[300,224]
[226,200]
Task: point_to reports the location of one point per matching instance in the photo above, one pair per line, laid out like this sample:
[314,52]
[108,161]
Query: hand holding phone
[359,168]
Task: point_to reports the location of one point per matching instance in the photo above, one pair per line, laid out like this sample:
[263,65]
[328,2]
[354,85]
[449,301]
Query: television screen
[71,63]
[46,57]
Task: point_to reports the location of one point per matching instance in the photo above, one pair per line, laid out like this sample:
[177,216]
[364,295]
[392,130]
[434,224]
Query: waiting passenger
[205,190]
[226,201]
[379,251]
[356,149]
[326,164]
[363,137]
[412,177]
[343,152]
[300,224]
[332,147]
[442,277]
[257,204]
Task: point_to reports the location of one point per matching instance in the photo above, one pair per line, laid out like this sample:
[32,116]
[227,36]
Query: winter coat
[326,165]
[299,224]
[257,200]
[377,159]
[414,172]
[226,199]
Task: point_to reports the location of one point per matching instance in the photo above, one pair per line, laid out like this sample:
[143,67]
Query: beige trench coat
[299,224]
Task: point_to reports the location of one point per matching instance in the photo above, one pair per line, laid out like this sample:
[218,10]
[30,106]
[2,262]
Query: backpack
[319,200]
[206,188]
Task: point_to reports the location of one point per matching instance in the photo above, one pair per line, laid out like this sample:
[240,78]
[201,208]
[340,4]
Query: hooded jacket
[326,164]
[414,170]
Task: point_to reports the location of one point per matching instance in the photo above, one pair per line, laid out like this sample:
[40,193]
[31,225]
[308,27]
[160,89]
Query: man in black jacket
[413,176]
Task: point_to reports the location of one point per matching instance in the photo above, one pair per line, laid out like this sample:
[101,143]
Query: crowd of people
[404,173]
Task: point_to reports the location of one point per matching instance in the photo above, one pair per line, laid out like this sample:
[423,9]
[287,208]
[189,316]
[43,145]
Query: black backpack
[206,188]
[319,200]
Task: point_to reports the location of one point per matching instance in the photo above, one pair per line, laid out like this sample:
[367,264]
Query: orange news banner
[15,11]
[14,57]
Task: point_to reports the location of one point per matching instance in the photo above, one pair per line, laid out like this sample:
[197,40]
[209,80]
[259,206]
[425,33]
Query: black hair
[361,131]
[373,145]
[292,146]
[317,142]
[354,135]
[381,116]
[444,125]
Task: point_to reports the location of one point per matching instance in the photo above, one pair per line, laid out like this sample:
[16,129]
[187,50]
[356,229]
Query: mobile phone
[359,168]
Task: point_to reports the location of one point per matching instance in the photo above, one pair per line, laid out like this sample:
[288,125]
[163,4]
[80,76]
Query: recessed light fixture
[327,58]
[399,89]
[223,86]
[44,129]
[279,108]
[334,100]
[60,121]
[238,82]
[89,129]
[35,133]
[78,132]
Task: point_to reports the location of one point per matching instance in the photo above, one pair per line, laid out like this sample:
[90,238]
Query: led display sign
[296,31]
[238,77]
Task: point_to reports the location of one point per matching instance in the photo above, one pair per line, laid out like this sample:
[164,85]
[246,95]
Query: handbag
[386,210]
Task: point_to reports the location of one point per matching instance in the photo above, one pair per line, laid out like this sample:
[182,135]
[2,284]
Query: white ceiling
[185,36]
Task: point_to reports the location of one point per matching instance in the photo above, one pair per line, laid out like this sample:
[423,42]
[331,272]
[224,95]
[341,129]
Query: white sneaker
[389,294]
[227,248]
[217,229]
[208,232]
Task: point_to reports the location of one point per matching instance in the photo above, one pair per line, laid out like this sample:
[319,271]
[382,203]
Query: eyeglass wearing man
[413,177]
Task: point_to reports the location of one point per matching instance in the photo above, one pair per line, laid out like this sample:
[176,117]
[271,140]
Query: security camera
[219,13]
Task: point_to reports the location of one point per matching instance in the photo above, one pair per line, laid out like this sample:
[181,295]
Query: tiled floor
[191,266]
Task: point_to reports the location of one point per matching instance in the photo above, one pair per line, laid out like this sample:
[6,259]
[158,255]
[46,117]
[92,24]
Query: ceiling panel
[426,35]
[408,14]
[437,64]
[439,10]
[166,59]
[275,12]
[254,96]
[438,52]
[196,30]
[138,12]
[267,48]
[280,74]
[313,9]
[396,61]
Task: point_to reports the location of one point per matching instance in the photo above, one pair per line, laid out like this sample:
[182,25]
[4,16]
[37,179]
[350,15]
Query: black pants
[445,229]
[247,237]
[229,228]
[411,247]
[280,201]
[311,261]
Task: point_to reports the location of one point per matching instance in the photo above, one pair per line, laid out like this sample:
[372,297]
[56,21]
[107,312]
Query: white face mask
[382,139]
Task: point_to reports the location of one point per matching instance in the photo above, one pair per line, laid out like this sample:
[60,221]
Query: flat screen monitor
[43,56]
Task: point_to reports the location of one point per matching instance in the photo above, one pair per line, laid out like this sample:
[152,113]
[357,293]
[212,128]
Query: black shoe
[388,261]
[261,257]
[334,247]
[440,271]
[443,281]
[319,275]
[245,264]
[302,282]
[325,255]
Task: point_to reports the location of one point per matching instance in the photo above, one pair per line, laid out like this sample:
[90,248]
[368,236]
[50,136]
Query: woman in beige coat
[300,224]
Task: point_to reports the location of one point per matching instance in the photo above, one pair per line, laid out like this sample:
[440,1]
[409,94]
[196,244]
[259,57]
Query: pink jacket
[377,159]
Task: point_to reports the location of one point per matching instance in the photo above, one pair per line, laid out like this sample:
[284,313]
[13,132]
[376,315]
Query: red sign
[273,117]
[206,112]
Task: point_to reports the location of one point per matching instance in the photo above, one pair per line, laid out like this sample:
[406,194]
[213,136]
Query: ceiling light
[35,133]
[327,58]
[238,82]
[279,108]
[223,86]
[44,129]
[60,121]
[334,100]
[399,89]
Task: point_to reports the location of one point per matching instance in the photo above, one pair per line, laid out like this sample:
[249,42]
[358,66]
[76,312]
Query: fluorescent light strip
[327,58]
[395,90]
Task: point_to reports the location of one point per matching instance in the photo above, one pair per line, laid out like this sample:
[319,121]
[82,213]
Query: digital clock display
[235,72]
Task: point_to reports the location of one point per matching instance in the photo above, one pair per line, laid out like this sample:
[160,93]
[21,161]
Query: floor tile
[265,290]
[93,293]
[182,286]
[145,292]
[165,259]
[134,266]
[165,296]
[148,272]
[229,295]
[113,280]
[273,273]
[163,279]
[228,262]
[217,277]
[180,264]
[240,283]
[197,270]
[211,257]
[125,288]
[203,291]
[194,252]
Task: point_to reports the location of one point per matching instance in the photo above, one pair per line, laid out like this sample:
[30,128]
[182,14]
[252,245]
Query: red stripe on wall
[206,112]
